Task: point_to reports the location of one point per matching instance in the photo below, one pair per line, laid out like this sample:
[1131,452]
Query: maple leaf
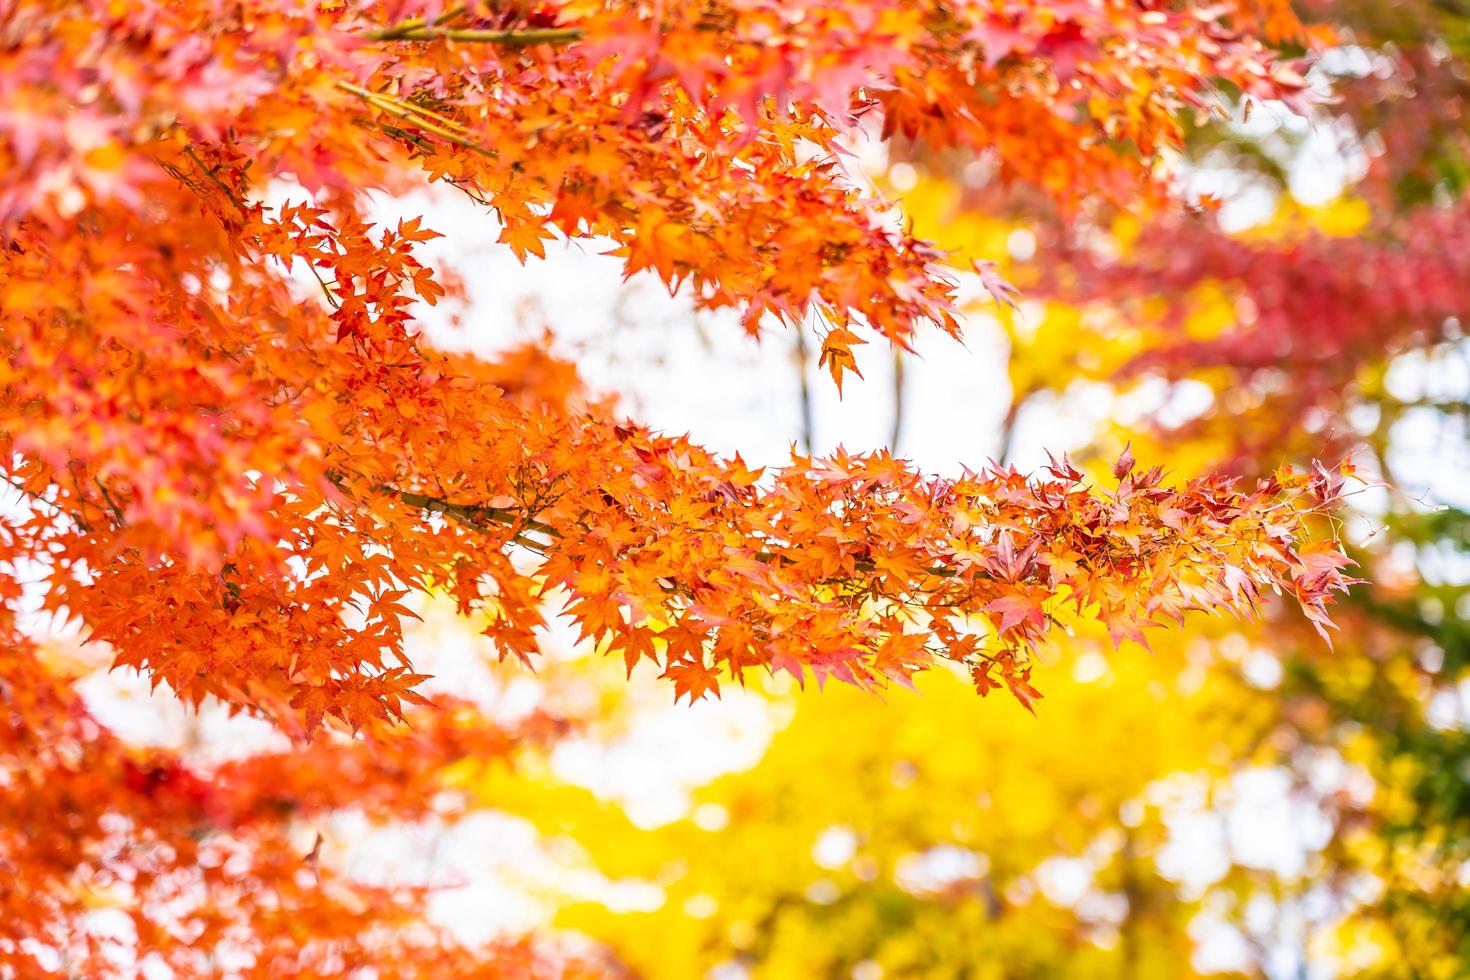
[1125,462]
[998,288]
[636,645]
[692,679]
[525,238]
[411,231]
[1321,560]
[836,354]
[1020,686]
[1016,610]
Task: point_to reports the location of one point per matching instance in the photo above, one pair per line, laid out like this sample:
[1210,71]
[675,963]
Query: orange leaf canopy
[233,459]
[239,458]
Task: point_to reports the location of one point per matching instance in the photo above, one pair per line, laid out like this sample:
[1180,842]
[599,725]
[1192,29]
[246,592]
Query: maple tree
[204,501]
[235,457]
[1336,323]
[1332,324]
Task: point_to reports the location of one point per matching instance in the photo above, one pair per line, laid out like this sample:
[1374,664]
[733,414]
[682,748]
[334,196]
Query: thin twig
[213,179]
[425,119]
[898,371]
[332,300]
[444,18]
[472,513]
[474,516]
[76,519]
[805,389]
[1008,430]
[112,504]
[510,39]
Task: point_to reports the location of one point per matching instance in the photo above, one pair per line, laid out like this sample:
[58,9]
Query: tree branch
[213,177]
[804,388]
[896,432]
[473,516]
[509,39]
[432,122]
[117,512]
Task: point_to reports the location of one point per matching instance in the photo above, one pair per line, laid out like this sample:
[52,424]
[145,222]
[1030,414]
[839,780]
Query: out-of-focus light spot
[1021,244]
[903,177]
[1261,670]
[835,847]
[1091,666]
[939,869]
[701,906]
[711,816]
[1064,880]
[823,891]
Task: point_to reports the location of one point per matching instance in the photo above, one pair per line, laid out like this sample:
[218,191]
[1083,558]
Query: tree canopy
[237,463]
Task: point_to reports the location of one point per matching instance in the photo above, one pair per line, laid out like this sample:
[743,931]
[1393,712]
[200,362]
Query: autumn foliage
[235,458]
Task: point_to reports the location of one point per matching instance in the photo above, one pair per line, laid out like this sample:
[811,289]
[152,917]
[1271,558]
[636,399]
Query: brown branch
[1008,429]
[213,178]
[332,300]
[451,14]
[508,38]
[896,433]
[473,516]
[53,505]
[117,511]
[804,388]
[429,121]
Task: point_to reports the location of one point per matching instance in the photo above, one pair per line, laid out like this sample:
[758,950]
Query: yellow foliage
[915,832]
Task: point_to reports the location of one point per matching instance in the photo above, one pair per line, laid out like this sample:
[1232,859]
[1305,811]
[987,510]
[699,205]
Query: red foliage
[1311,311]
[237,459]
